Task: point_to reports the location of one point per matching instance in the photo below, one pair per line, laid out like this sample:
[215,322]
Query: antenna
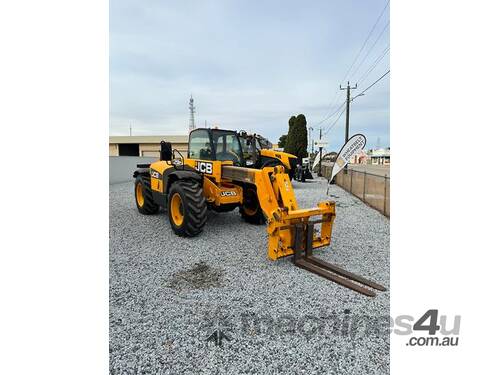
[192,108]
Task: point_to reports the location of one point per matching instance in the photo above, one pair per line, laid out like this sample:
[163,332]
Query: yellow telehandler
[258,152]
[214,176]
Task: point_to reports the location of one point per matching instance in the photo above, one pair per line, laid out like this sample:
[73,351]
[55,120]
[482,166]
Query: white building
[381,156]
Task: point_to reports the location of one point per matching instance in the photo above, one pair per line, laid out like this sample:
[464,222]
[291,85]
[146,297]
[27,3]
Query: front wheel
[187,208]
[250,210]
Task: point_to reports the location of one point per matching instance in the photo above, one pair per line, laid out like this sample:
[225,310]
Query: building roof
[149,139]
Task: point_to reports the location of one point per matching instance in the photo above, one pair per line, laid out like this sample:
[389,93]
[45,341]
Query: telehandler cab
[214,176]
[258,153]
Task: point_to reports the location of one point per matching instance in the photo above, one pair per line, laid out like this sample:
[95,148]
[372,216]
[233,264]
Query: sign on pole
[316,159]
[321,143]
[354,145]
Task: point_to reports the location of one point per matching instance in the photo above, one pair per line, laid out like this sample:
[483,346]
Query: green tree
[296,140]
[282,141]
[290,139]
[300,129]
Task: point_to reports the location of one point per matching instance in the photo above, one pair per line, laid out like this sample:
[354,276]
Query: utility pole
[320,153]
[312,141]
[348,103]
[130,129]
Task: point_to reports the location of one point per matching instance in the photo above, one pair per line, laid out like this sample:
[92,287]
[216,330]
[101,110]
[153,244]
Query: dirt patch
[200,276]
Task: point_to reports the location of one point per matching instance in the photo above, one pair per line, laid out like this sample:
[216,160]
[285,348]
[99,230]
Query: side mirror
[177,161]
[165,151]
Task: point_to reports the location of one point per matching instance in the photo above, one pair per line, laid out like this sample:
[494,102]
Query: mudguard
[172,174]
[141,171]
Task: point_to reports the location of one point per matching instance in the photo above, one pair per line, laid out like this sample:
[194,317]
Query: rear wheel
[250,209]
[187,208]
[144,196]
[272,163]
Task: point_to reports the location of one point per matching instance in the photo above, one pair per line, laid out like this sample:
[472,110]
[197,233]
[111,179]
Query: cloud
[248,65]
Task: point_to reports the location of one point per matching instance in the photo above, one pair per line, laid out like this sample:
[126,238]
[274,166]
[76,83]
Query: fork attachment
[303,258]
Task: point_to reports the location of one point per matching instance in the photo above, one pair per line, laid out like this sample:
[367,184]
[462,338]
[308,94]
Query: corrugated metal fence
[121,168]
[374,190]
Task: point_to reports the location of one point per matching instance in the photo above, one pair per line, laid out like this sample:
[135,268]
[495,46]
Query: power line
[332,114]
[374,64]
[355,60]
[366,40]
[338,118]
[361,93]
[371,48]
[373,84]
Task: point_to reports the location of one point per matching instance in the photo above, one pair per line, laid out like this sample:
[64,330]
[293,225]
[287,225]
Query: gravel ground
[168,295]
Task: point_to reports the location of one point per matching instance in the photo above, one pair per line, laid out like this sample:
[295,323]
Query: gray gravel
[169,294]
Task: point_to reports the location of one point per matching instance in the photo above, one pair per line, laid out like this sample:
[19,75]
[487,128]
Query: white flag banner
[354,145]
[316,159]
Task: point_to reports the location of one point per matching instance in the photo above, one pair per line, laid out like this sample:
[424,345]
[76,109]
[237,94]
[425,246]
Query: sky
[249,65]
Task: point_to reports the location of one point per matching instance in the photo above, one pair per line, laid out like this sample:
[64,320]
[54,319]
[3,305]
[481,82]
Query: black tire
[146,204]
[193,208]
[274,163]
[250,211]
[271,163]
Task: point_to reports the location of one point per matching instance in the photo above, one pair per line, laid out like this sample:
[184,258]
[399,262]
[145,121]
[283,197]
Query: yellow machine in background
[258,153]
[215,176]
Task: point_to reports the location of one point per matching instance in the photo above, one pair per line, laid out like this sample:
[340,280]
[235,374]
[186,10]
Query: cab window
[199,145]
[227,146]
[246,146]
[265,144]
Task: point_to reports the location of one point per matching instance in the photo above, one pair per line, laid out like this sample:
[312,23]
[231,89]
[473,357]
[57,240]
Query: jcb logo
[155,174]
[228,193]
[204,167]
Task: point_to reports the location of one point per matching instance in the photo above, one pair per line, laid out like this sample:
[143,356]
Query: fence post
[385,194]
[351,172]
[364,186]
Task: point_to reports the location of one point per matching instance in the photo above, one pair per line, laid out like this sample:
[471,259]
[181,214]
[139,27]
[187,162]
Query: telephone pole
[348,103]
[312,141]
[320,153]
